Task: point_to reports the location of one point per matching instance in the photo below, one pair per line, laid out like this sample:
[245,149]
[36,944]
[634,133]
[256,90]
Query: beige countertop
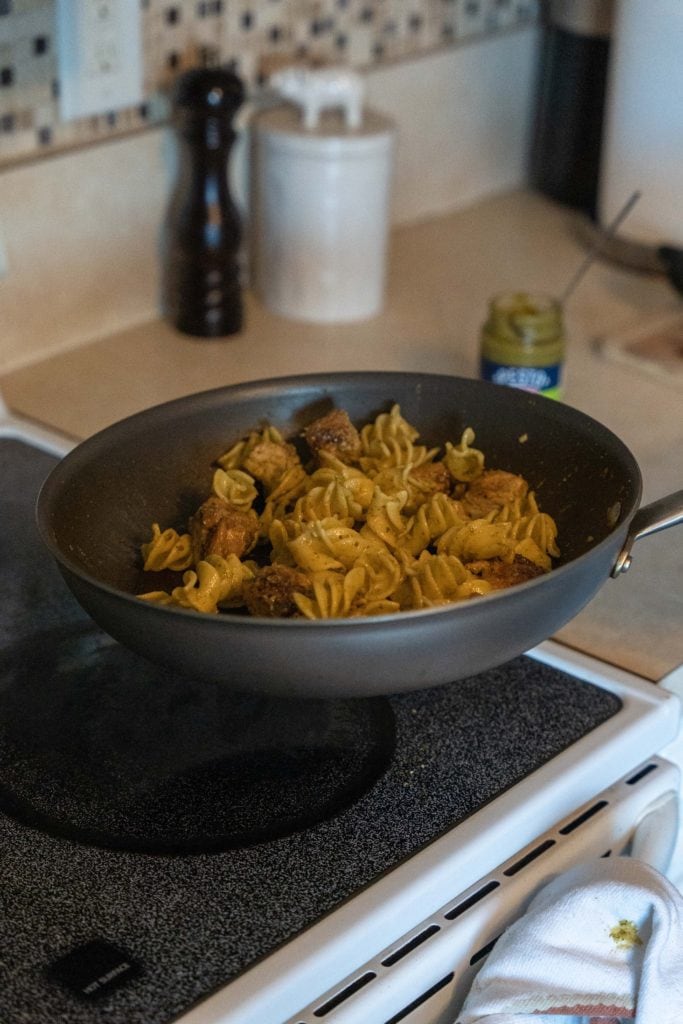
[440,275]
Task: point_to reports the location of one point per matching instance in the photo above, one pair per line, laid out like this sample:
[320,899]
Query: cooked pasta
[167,550]
[371,522]
[235,487]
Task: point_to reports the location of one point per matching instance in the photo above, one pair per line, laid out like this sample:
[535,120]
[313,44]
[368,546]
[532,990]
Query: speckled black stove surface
[97,747]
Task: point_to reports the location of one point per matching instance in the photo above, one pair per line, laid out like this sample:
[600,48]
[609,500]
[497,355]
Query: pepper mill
[203,295]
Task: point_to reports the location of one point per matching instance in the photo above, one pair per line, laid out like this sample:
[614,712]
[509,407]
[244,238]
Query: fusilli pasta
[373,523]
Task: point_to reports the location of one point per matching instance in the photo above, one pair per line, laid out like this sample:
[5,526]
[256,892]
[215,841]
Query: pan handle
[650,519]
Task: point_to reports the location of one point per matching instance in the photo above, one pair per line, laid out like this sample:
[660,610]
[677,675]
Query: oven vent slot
[641,774]
[344,994]
[409,946]
[582,818]
[460,908]
[529,857]
[402,1014]
[484,951]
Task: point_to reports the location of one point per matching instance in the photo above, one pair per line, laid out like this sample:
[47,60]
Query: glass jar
[522,343]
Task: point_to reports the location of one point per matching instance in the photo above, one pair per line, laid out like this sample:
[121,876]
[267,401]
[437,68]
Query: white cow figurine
[317,89]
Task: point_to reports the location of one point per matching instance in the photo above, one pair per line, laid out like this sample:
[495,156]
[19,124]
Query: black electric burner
[99,746]
[152,821]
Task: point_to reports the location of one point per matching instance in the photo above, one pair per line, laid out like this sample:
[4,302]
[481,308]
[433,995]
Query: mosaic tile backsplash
[250,36]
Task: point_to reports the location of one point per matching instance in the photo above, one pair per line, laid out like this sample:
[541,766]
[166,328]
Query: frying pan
[97,506]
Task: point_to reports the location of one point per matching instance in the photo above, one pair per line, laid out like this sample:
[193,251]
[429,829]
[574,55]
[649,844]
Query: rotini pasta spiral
[388,442]
[235,487]
[432,519]
[327,544]
[373,524]
[384,521]
[280,533]
[464,462]
[530,523]
[235,457]
[431,581]
[477,539]
[388,426]
[343,595]
[278,503]
[481,539]
[383,573]
[360,487]
[324,502]
[215,582]
[418,482]
[167,550]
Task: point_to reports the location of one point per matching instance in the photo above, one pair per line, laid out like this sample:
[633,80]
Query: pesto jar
[522,343]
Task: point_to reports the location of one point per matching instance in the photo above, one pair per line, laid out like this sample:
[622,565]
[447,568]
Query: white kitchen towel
[602,942]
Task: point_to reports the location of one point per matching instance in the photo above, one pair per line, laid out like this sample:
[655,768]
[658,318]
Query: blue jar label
[544,380]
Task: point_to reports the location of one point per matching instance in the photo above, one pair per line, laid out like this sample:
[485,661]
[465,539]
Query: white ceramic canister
[321,213]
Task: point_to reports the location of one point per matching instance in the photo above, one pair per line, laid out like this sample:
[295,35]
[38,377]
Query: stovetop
[186,832]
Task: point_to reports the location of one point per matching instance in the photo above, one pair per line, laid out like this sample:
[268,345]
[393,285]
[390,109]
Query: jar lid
[283,127]
[525,318]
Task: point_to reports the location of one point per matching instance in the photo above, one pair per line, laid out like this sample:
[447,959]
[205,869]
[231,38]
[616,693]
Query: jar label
[544,380]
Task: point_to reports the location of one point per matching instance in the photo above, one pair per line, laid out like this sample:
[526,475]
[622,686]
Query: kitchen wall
[249,35]
[79,227]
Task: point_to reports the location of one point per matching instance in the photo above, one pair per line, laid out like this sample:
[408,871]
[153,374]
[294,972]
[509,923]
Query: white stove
[380,910]
[407,948]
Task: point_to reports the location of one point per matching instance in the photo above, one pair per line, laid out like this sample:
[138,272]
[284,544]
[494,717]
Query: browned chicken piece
[502,574]
[493,489]
[336,434]
[218,528]
[269,461]
[432,477]
[271,592]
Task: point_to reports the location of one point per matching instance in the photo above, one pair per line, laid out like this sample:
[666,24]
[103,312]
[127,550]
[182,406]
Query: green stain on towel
[625,935]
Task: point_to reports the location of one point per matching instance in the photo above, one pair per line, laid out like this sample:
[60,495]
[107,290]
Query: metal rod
[611,228]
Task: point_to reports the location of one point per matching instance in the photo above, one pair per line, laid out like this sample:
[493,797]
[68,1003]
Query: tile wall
[248,35]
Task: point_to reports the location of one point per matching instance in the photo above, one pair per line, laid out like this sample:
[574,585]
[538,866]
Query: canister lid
[283,127]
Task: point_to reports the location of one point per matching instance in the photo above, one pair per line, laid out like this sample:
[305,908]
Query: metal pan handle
[651,518]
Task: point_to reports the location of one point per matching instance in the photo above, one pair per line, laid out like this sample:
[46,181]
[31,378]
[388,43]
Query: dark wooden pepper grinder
[203,293]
